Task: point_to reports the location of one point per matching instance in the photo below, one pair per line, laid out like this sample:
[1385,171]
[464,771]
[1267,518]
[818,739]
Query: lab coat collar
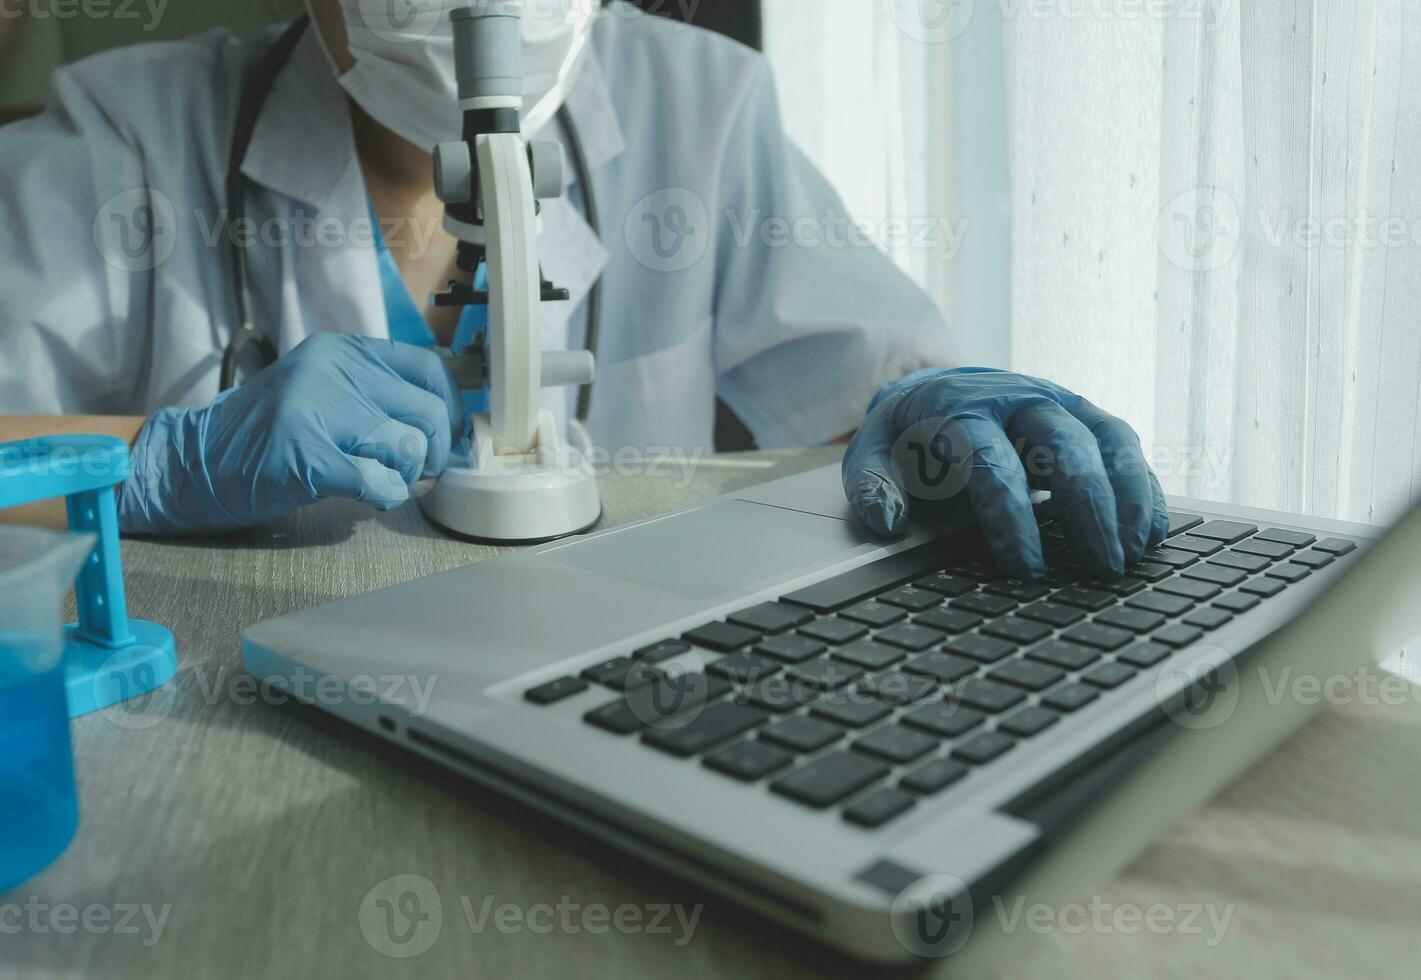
[308,108]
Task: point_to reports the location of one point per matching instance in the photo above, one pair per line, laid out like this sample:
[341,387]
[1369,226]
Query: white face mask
[404,75]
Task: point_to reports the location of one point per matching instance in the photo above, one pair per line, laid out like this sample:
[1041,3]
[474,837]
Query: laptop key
[771,617]
[1336,546]
[943,666]
[897,689]
[721,637]
[1313,558]
[749,760]
[1019,631]
[910,636]
[1294,539]
[1108,675]
[1242,561]
[1288,572]
[1144,654]
[617,718]
[1052,613]
[1177,635]
[851,713]
[779,694]
[655,653]
[743,666]
[833,630]
[1272,550]
[828,779]
[983,604]
[1028,721]
[1028,674]
[801,734]
[1202,547]
[1159,602]
[1217,574]
[1134,620]
[879,807]
[982,749]
[1265,588]
[986,695]
[1170,557]
[823,675]
[554,691]
[873,613]
[1150,571]
[948,620]
[911,599]
[933,776]
[621,673]
[1012,588]
[946,720]
[1179,523]
[869,654]
[1123,585]
[1237,602]
[1091,599]
[715,724]
[1226,531]
[946,584]
[1069,656]
[1098,636]
[982,648]
[1207,619]
[790,649]
[870,579]
[1189,588]
[895,744]
[1070,697]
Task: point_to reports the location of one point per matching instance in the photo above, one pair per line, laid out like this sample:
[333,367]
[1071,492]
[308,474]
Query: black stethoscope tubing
[254,96]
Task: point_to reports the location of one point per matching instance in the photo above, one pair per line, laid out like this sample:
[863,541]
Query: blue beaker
[39,809]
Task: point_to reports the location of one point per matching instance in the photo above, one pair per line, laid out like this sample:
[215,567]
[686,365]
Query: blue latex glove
[339,416]
[990,437]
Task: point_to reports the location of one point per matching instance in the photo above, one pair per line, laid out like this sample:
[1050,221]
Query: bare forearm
[13,428]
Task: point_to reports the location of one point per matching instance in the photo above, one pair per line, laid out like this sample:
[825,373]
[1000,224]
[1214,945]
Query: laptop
[863,739]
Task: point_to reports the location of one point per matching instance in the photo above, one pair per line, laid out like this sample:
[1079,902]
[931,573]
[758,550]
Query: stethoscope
[245,339]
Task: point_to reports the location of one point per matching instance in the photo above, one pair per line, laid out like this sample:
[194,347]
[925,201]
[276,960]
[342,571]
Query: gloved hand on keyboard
[990,437]
[339,416]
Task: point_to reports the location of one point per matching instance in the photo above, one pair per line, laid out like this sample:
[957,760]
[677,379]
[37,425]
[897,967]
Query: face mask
[404,75]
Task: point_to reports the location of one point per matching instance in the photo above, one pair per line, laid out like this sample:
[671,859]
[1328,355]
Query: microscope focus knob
[545,159]
[453,173]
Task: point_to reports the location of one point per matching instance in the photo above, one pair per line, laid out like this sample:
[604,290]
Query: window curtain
[1211,221]
[1216,232]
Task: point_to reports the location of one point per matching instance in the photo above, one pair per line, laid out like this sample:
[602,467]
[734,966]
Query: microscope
[515,478]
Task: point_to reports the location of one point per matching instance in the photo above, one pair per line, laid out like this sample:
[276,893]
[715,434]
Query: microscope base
[524,499]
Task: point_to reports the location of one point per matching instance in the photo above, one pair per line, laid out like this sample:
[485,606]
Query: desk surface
[262,828]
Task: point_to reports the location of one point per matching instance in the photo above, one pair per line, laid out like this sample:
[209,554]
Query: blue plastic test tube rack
[108,658]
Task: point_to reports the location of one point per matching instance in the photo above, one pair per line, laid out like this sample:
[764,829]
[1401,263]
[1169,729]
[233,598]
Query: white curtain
[1217,233]
[1215,213]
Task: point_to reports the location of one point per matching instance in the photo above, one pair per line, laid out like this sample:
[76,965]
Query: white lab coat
[116,291]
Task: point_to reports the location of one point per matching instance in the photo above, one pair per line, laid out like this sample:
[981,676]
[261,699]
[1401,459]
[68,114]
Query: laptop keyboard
[875,688]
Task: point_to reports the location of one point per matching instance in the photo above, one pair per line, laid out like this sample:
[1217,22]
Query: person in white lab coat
[118,298]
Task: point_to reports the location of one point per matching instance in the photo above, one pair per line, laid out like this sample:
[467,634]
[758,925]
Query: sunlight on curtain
[1217,235]
[865,89]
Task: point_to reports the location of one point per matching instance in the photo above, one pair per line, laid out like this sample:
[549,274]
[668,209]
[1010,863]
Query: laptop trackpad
[731,546]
